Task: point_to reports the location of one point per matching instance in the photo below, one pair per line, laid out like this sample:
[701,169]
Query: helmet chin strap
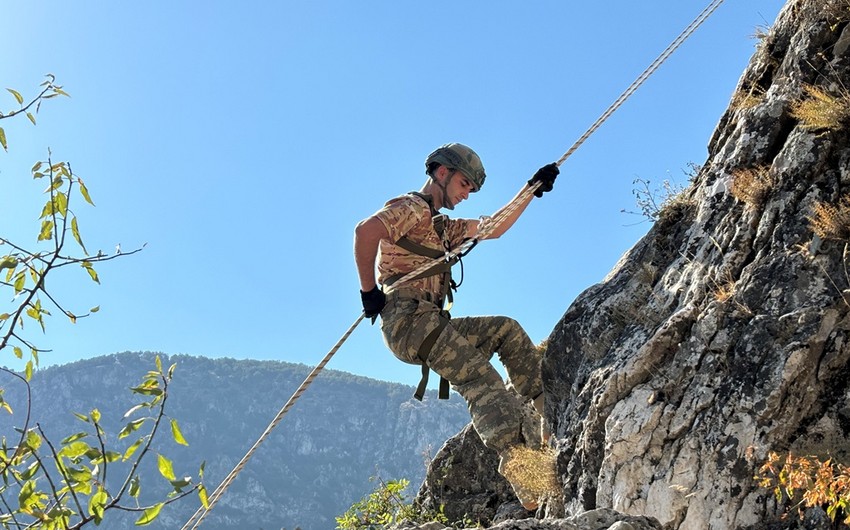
[447,202]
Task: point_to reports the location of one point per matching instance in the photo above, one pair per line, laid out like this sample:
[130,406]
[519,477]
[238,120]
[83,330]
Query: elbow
[361,230]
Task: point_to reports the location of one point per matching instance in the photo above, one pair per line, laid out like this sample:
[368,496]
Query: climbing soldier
[408,232]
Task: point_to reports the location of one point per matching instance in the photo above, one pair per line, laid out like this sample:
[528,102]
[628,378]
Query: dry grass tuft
[724,292]
[832,221]
[747,98]
[752,185]
[821,110]
[532,471]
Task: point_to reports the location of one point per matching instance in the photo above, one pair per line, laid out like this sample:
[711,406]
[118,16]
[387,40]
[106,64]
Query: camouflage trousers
[461,354]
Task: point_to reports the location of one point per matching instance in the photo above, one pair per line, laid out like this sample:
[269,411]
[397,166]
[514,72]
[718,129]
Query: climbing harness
[437,266]
[485,229]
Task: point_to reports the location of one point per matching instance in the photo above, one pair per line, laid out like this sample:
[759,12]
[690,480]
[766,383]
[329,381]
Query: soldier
[409,231]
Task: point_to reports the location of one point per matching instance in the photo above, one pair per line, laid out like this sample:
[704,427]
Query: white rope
[485,229]
[203,511]
[702,17]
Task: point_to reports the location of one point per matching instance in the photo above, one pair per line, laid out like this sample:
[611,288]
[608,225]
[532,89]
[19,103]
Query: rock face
[723,334]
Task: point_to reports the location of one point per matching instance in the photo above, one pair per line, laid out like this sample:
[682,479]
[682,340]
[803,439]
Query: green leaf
[31,470]
[75,230]
[28,371]
[61,201]
[133,409]
[20,280]
[48,210]
[95,309]
[19,353]
[46,231]
[147,390]
[135,487]
[201,471]
[31,117]
[111,456]
[17,96]
[202,494]
[33,440]
[75,450]
[176,434]
[79,474]
[3,139]
[95,415]
[26,494]
[88,266]
[179,484]
[130,428]
[166,468]
[97,504]
[132,449]
[85,191]
[81,417]
[74,438]
[150,515]
[8,262]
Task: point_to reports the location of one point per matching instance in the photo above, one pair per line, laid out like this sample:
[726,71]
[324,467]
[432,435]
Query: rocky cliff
[723,334]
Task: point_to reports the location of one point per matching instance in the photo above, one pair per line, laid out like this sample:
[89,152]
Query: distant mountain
[344,430]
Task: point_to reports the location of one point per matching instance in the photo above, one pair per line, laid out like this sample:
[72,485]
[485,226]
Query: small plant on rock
[386,505]
[809,482]
[820,110]
[659,203]
[752,185]
[832,221]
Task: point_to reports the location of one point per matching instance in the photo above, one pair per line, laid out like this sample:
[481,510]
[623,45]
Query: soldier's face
[458,188]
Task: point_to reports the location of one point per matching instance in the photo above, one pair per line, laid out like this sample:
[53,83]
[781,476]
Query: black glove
[546,177]
[373,302]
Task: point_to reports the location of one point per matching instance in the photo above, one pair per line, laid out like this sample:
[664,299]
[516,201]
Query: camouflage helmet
[459,157]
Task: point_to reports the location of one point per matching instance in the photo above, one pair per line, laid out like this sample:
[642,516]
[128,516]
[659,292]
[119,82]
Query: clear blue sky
[242,141]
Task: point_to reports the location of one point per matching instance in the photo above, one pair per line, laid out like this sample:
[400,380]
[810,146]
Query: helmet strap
[447,202]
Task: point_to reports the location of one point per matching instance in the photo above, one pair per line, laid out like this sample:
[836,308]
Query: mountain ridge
[311,468]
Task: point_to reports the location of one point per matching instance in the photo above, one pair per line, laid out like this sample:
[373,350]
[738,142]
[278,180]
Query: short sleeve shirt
[410,216]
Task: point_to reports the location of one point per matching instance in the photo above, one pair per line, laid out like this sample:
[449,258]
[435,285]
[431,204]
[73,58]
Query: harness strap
[424,350]
[442,267]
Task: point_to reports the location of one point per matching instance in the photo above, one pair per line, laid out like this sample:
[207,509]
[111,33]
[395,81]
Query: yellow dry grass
[532,471]
[747,99]
[752,185]
[832,221]
[821,110]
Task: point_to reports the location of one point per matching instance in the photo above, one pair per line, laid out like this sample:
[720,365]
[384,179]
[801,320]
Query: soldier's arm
[472,230]
[367,237]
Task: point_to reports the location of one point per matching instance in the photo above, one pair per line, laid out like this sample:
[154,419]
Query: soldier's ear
[443,173]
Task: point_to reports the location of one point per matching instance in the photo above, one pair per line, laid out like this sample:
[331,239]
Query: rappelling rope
[485,229]
[702,17]
[202,512]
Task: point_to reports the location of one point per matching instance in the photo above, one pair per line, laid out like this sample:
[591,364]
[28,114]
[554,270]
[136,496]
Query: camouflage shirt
[410,215]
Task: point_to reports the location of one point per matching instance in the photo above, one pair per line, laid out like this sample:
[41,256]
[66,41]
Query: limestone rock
[723,333]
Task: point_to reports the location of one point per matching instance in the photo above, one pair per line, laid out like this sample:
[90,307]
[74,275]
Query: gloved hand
[546,177]
[373,302]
